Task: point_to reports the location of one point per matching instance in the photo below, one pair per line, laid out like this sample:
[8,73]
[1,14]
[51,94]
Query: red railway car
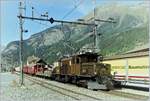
[35,67]
[25,69]
[33,70]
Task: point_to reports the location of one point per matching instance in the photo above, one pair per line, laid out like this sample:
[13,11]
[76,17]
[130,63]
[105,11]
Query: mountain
[129,32]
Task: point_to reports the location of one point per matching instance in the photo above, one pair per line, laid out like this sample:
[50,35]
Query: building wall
[139,61]
[125,63]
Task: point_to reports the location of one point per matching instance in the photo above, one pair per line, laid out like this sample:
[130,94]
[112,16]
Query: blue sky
[56,8]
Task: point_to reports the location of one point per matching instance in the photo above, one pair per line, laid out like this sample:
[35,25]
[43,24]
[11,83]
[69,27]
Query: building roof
[35,60]
[32,58]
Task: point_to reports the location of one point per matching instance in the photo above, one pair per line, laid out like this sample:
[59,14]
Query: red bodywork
[33,70]
[25,69]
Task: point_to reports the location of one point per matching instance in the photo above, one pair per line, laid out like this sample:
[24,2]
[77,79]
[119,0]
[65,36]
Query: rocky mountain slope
[129,32]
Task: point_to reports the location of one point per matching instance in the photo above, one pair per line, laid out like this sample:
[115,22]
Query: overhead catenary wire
[67,14]
[41,23]
[36,11]
[75,7]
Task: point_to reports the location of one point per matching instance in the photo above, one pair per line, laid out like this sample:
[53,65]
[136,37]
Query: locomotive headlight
[84,71]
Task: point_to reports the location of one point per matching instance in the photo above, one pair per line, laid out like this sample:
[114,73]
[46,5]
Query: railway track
[80,96]
[53,89]
[128,95]
[64,91]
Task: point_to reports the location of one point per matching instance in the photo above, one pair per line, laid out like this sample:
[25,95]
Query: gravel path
[11,91]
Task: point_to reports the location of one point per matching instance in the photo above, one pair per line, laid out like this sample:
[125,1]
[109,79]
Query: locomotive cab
[97,74]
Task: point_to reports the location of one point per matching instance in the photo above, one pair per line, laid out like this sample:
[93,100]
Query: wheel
[109,85]
[66,78]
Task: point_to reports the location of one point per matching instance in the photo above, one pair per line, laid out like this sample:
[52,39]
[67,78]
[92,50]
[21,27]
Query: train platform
[141,82]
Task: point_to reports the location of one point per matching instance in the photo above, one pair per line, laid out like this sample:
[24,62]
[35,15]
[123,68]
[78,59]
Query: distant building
[32,60]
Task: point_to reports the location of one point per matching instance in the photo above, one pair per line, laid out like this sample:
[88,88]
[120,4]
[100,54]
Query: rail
[62,90]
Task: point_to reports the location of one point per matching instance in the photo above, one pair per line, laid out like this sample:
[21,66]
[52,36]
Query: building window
[78,60]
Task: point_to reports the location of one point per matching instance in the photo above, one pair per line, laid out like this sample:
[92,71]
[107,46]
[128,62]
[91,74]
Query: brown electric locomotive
[85,69]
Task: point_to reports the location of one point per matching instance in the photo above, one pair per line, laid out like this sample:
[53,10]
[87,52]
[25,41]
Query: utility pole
[95,28]
[95,34]
[126,69]
[148,2]
[21,43]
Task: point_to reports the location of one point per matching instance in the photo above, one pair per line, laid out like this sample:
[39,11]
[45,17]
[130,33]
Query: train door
[77,65]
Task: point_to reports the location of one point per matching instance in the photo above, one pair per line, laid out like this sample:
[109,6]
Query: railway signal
[51,20]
